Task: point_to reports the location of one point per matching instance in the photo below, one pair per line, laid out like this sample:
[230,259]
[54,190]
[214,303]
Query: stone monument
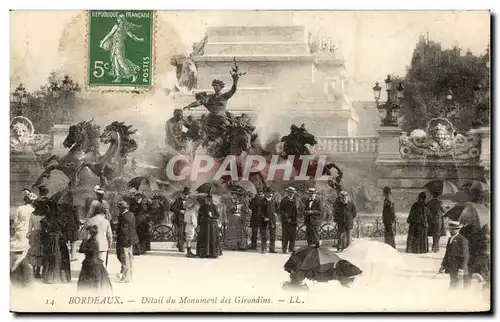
[287,80]
[27,151]
[438,152]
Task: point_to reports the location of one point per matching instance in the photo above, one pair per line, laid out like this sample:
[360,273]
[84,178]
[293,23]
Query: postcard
[250,161]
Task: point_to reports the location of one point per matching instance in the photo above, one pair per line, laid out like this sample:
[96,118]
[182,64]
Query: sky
[373,43]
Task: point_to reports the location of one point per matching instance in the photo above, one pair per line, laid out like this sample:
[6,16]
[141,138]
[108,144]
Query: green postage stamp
[120,49]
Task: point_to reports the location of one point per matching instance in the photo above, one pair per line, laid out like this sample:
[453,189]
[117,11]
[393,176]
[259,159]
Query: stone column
[388,144]
[484,158]
[59,133]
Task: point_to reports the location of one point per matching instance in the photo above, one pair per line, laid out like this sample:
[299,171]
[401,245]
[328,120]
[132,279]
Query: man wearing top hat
[178,220]
[313,213]
[456,257]
[289,213]
[255,218]
[268,209]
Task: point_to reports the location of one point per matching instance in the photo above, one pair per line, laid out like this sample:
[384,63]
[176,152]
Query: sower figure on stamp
[268,222]
[179,224]
[289,213]
[344,214]
[313,215]
[255,219]
[456,257]
[388,218]
[114,42]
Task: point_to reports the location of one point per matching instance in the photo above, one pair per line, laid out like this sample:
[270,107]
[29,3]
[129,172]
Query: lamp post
[390,107]
[20,100]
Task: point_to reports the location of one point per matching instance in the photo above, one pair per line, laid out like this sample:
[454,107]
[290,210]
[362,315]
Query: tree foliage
[444,83]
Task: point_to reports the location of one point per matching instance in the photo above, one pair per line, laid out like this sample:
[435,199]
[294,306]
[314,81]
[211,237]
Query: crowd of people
[467,254]
[207,224]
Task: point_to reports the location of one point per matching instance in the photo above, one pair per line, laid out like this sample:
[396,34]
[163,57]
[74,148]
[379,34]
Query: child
[456,257]
[35,253]
[93,276]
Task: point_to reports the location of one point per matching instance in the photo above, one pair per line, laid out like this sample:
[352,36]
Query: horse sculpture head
[83,135]
[118,132]
[305,137]
[241,135]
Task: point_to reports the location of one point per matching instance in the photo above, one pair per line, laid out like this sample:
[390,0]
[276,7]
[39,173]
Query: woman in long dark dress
[56,264]
[208,240]
[93,275]
[418,220]
[140,208]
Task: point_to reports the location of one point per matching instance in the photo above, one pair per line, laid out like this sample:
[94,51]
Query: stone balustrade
[346,144]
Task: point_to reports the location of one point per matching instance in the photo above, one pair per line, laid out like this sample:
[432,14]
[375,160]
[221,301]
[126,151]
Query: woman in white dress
[20,270]
[191,207]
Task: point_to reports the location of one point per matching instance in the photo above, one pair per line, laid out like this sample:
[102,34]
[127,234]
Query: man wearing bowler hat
[313,213]
[456,257]
[289,213]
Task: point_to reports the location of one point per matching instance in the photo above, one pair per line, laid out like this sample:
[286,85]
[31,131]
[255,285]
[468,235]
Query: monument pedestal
[59,133]
[282,85]
[24,170]
[485,135]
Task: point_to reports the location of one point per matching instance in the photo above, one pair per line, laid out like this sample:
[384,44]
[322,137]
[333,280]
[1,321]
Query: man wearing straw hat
[313,213]
[289,213]
[126,237]
[456,257]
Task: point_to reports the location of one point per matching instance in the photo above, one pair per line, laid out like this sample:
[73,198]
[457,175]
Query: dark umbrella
[143,184]
[320,264]
[441,187]
[470,213]
[212,188]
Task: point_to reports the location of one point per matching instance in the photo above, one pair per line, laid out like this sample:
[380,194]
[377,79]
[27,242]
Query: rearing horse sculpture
[110,165]
[83,143]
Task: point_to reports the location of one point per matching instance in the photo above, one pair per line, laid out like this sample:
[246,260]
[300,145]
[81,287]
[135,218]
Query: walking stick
[107,253]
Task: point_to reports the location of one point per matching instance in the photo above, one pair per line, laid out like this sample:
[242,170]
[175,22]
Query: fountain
[438,152]
[27,151]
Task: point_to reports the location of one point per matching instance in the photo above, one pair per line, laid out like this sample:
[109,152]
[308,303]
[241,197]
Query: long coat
[457,254]
[255,218]
[344,214]
[126,234]
[268,209]
[289,211]
[436,210]
[315,215]
[176,208]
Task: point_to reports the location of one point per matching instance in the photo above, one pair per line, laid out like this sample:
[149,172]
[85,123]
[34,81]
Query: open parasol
[320,264]
[212,188]
[470,213]
[143,184]
[248,186]
[441,187]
